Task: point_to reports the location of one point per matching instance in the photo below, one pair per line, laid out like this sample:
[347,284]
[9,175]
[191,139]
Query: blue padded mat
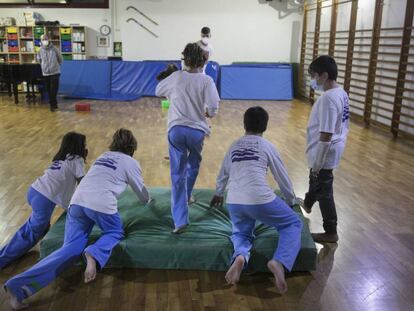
[137,78]
[256,82]
[86,79]
[116,80]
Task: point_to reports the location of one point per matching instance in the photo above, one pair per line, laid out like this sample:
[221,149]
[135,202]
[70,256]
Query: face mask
[205,40]
[45,42]
[314,85]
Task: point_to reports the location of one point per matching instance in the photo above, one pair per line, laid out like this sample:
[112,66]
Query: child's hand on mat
[217,201]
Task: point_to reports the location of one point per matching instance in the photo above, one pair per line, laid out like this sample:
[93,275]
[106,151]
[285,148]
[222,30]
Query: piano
[14,74]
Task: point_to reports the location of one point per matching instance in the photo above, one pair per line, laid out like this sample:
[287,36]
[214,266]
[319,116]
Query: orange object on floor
[83,107]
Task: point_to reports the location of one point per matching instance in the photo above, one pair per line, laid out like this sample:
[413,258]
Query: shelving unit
[19,44]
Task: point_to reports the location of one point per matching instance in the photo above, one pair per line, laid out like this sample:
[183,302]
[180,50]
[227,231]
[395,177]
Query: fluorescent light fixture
[50,1]
[14,1]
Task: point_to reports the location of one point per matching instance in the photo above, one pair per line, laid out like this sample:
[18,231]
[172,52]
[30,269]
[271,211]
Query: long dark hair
[193,56]
[124,141]
[73,144]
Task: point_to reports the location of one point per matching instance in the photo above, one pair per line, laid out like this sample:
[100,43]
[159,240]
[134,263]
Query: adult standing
[205,45]
[50,60]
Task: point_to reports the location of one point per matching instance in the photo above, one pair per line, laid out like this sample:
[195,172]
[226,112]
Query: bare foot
[233,275]
[179,230]
[14,302]
[90,271]
[279,273]
[191,200]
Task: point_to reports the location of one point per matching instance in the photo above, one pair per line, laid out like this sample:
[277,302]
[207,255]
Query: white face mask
[205,40]
[314,85]
[45,42]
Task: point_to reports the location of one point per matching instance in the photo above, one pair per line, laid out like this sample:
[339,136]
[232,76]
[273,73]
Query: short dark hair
[205,30]
[73,144]
[193,56]
[124,141]
[255,120]
[324,63]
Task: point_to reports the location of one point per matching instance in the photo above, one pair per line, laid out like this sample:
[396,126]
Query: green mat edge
[306,260]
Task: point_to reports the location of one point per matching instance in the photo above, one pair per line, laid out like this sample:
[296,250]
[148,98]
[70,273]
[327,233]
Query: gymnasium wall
[387,68]
[243,30]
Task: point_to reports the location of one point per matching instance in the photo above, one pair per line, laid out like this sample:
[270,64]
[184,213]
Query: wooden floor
[372,267]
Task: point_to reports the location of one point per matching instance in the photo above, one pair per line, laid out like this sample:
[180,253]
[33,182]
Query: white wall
[243,30]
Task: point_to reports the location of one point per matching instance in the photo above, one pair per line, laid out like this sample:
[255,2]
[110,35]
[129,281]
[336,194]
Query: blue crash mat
[256,81]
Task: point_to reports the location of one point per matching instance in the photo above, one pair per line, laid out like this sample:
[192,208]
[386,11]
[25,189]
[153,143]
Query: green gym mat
[205,245]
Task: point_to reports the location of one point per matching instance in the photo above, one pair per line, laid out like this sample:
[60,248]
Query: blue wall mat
[115,80]
[133,80]
[148,73]
[260,82]
[86,79]
[125,81]
[213,70]
[278,65]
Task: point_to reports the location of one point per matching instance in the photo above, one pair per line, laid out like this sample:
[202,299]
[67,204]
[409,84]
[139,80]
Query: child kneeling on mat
[94,202]
[250,198]
[55,187]
[193,98]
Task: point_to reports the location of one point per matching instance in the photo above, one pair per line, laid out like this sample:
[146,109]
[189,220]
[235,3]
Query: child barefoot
[55,187]
[94,202]
[250,198]
[190,93]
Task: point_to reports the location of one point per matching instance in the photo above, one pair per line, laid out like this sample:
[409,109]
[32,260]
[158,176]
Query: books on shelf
[79,56]
[3,47]
[19,44]
[78,36]
[78,48]
[29,18]
[27,46]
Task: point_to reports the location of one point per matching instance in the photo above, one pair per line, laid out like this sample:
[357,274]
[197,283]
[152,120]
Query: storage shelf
[32,34]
